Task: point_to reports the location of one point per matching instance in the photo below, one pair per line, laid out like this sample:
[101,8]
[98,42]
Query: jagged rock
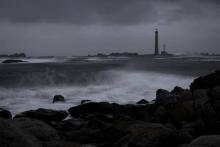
[93,108]
[70,124]
[214,97]
[5,114]
[161,115]
[202,105]
[143,102]
[13,136]
[96,124]
[206,141]
[177,90]
[200,97]
[37,128]
[206,82]
[165,98]
[148,135]
[58,98]
[85,101]
[134,112]
[44,114]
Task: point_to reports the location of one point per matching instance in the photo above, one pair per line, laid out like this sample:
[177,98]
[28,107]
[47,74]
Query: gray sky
[82,27]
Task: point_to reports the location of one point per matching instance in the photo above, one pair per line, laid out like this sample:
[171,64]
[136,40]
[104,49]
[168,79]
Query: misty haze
[109,73]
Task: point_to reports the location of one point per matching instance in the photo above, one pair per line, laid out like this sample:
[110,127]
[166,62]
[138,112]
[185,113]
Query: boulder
[200,97]
[70,124]
[148,135]
[37,128]
[44,114]
[58,98]
[178,90]
[206,82]
[214,97]
[206,141]
[93,108]
[5,114]
[13,136]
[142,102]
[134,112]
[165,98]
[202,105]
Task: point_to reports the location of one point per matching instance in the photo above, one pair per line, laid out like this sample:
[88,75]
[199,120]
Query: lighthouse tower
[156,43]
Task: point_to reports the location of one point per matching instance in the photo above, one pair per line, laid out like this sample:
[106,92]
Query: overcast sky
[82,27]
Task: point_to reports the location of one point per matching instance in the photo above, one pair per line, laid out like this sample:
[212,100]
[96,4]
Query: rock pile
[179,118]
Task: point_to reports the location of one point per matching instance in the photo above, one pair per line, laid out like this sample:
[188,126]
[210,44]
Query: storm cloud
[81,27]
[107,12]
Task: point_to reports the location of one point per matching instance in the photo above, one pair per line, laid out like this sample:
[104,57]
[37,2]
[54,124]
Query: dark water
[32,85]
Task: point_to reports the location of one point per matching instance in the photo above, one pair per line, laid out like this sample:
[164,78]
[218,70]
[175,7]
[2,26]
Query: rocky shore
[177,118]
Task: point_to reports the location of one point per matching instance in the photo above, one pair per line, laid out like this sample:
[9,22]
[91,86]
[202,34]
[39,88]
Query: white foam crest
[125,87]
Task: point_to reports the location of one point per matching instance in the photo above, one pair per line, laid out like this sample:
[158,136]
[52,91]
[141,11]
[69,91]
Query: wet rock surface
[177,118]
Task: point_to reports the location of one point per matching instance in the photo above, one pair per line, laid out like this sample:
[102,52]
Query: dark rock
[165,98]
[214,97]
[58,98]
[70,124]
[148,135]
[12,61]
[180,112]
[134,112]
[203,106]
[206,82]
[85,101]
[143,101]
[200,97]
[93,108]
[13,136]
[160,115]
[96,124]
[212,128]
[102,117]
[37,128]
[206,141]
[82,136]
[55,143]
[5,114]
[44,114]
[177,90]
[184,137]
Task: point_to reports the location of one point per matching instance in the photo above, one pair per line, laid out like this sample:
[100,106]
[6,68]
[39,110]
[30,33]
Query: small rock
[5,114]
[58,98]
[142,102]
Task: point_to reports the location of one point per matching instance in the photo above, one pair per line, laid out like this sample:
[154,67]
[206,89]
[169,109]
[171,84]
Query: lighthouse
[156,43]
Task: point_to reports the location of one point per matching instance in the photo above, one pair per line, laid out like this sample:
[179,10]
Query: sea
[124,80]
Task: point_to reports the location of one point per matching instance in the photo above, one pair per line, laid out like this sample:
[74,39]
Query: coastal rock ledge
[176,118]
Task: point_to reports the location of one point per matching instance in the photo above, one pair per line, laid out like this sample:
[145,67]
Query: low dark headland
[179,118]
